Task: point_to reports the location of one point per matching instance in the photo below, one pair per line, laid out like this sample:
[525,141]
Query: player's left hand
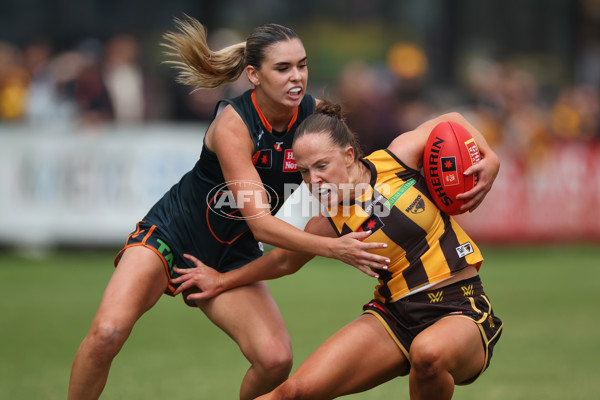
[487,170]
[207,279]
[351,249]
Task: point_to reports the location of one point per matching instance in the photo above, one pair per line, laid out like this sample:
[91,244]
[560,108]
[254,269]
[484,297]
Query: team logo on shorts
[436,297]
[467,290]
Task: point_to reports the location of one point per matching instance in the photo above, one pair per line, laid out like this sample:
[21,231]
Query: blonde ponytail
[197,65]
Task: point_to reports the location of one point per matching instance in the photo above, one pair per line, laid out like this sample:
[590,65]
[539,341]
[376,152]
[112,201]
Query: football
[449,151]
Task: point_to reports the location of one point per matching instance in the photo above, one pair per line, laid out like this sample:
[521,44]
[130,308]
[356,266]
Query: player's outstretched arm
[409,148]
[277,263]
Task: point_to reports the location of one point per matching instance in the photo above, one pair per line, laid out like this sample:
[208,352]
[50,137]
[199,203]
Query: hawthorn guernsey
[449,151]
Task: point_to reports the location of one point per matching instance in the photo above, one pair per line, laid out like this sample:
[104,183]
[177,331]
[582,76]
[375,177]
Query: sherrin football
[449,151]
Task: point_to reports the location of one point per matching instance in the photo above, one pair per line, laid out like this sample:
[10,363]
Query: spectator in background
[576,113]
[14,83]
[90,92]
[131,88]
[123,78]
[408,65]
[506,99]
[383,101]
[37,55]
[368,101]
[48,98]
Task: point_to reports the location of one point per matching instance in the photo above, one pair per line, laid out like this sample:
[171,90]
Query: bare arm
[409,148]
[277,263]
[228,137]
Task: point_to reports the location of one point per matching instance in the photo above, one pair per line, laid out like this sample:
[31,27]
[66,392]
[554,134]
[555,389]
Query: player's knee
[275,360]
[278,365]
[106,339]
[426,360]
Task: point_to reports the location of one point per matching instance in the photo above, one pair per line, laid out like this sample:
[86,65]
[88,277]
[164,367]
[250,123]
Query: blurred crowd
[94,82]
[107,81]
[514,110]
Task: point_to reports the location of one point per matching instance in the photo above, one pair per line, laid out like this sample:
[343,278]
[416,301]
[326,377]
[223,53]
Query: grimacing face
[324,166]
[283,74]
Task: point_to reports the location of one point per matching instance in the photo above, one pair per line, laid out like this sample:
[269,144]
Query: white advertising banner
[553,198]
[88,188]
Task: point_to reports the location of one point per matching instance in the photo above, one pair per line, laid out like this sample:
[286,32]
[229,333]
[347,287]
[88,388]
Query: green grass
[546,296]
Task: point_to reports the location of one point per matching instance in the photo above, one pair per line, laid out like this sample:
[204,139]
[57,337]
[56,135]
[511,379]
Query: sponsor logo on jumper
[228,198]
[449,173]
[407,185]
[289,162]
[369,207]
[436,297]
[467,290]
[434,174]
[464,249]
[372,224]
[277,146]
[263,159]
[417,206]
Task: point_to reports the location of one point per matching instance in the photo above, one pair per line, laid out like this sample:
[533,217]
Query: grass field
[547,297]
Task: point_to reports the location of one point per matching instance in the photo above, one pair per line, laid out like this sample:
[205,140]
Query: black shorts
[406,318]
[150,236]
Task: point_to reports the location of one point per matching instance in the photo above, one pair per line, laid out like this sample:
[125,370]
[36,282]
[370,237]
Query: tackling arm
[277,263]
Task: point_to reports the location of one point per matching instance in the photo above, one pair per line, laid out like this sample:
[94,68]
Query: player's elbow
[286,262]
[259,231]
[291,268]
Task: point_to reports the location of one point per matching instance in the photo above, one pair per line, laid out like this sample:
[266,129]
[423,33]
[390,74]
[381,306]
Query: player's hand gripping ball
[449,151]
